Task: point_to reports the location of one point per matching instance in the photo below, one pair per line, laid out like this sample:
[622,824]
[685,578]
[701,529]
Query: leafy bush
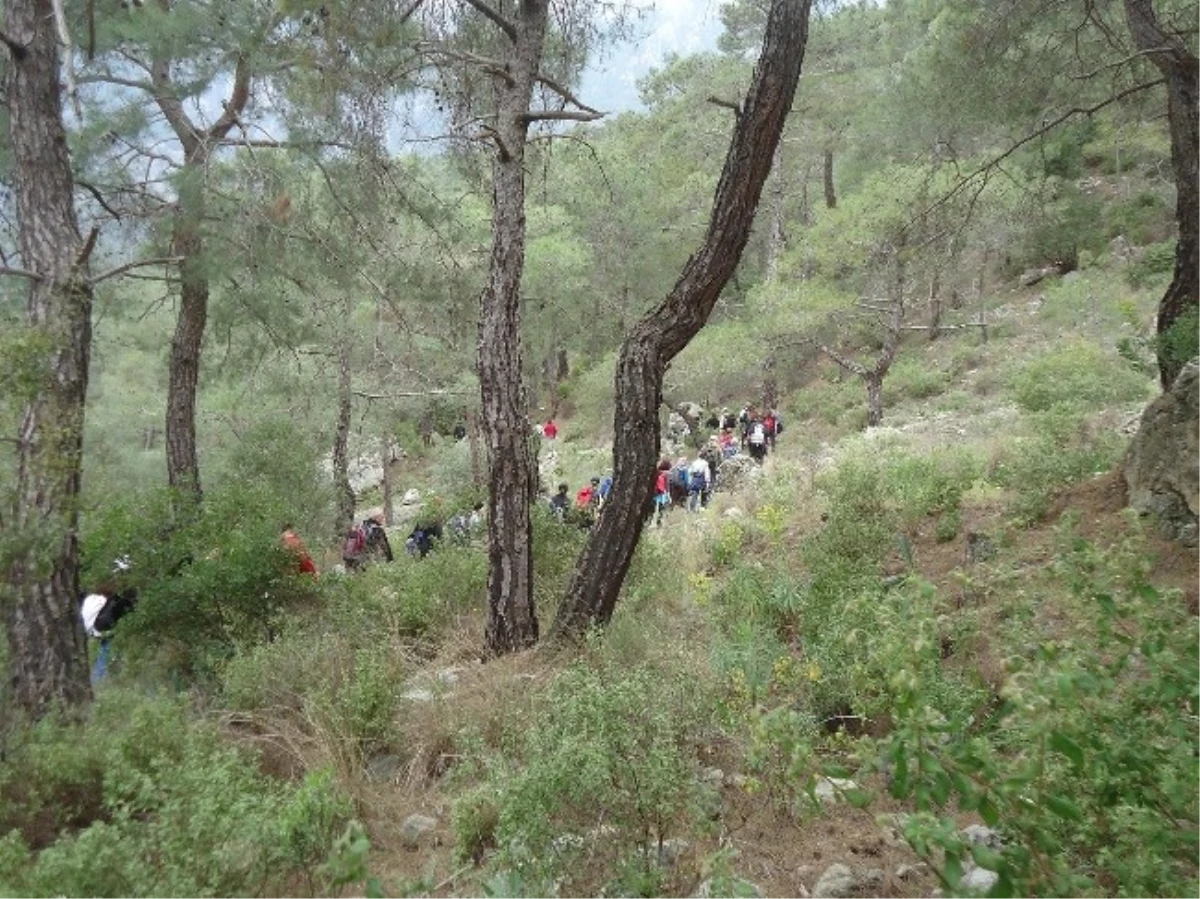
[208,580]
[606,768]
[1089,770]
[170,809]
[1154,266]
[1181,342]
[1077,374]
[914,379]
[1060,452]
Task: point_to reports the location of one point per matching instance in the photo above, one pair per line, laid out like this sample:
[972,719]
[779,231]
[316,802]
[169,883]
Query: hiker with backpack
[662,491]
[295,546]
[100,612]
[678,482]
[699,478]
[560,502]
[421,541]
[757,440]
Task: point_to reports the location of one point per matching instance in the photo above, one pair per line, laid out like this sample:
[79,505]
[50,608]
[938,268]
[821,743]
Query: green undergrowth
[146,798]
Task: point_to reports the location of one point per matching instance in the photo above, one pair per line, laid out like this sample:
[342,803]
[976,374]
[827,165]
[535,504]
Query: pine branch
[498,20]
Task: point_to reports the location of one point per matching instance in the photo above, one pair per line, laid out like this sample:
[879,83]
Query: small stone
[978,835]
[734,886]
[829,789]
[840,881]
[978,880]
[411,497]
[418,695]
[911,872]
[449,675]
[414,829]
[671,850]
[383,767]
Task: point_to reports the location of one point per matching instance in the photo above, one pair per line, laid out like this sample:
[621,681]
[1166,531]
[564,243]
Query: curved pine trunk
[1180,69]
[47,660]
[661,335]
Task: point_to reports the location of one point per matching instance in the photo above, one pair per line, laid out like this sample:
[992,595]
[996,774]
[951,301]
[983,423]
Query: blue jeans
[103,657]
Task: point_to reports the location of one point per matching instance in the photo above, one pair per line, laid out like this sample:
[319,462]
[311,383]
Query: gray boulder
[416,829]
[840,881]
[978,880]
[737,471]
[1160,467]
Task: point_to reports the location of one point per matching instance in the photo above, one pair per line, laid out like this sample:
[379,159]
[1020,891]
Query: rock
[727,886]
[712,776]
[1032,276]
[415,830]
[840,881]
[978,880]
[978,835]
[734,513]
[911,872]
[691,413]
[1070,276]
[671,850]
[677,428]
[412,496]
[448,675]
[737,471]
[979,548]
[418,694]
[1160,467]
[829,789]
[1118,247]
[383,767]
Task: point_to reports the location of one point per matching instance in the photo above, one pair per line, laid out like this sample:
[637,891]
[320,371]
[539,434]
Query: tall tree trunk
[1180,68]
[874,382]
[344,494]
[385,459]
[47,659]
[660,336]
[512,621]
[935,305]
[183,468]
[776,236]
[827,168]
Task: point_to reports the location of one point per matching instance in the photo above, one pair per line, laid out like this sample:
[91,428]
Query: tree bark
[777,235]
[47,658]
[874,382]
[385,459]
[661,335]
[183,468]
[1180,68]
[344,495]
[512,620]
[827,168]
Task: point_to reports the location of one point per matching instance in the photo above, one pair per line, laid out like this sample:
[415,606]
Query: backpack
[356,542]
[757,434]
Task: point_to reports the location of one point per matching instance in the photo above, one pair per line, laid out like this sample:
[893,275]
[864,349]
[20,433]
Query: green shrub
[610,748]
[1180,343]
[174,810]
[1061,451]
[913,378]
[1090,769]
[207,581]
[1154,266]
[1077,374]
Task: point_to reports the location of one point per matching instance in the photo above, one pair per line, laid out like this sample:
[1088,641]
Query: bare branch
[238,97]
[727,104]
[406,394]
[562,115]
[20,273]
[498,20]
[88,246]
[138,263]
[99,199]
[68,54]
[565,93]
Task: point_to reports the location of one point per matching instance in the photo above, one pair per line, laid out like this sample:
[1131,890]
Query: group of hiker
[588,500]
[756,430]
